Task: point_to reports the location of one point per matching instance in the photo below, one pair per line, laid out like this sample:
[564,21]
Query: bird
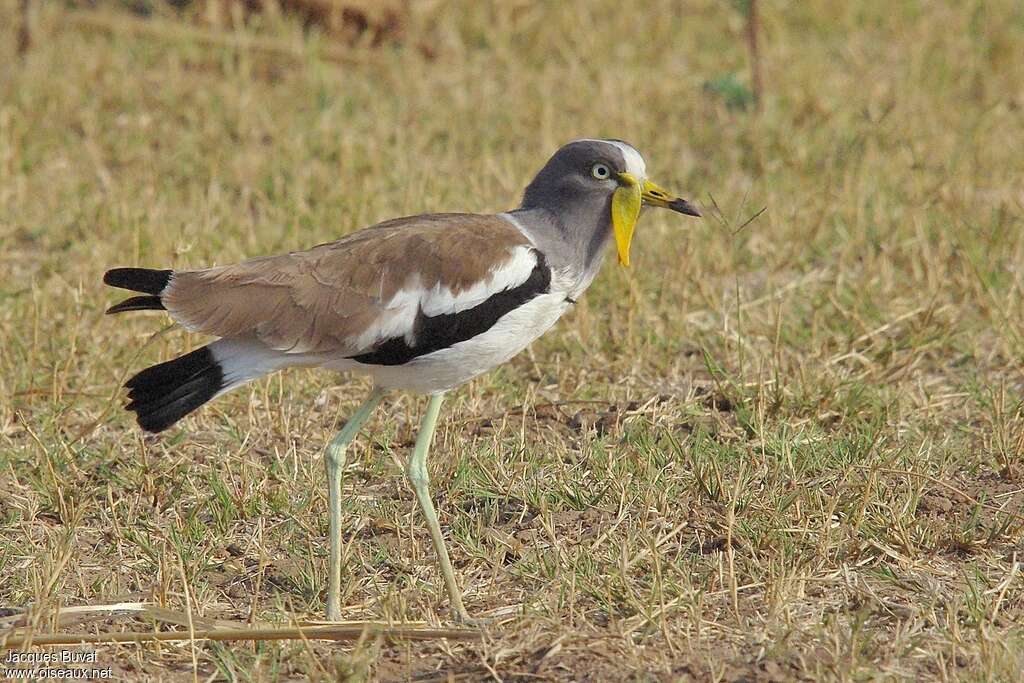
[421,304]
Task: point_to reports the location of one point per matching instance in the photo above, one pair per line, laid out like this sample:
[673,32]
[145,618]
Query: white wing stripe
[398,317]
[440,300]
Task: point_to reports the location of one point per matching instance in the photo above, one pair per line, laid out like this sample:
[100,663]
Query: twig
[750,220]
[756,80]
[338,632]
[189,621]
[550,404]
[167,31]
[24,29]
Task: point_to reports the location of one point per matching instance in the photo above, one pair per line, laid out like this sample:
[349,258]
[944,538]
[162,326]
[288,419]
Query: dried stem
[756,79]
[24,28]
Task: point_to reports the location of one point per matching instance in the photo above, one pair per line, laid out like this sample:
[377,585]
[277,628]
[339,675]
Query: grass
[787,451]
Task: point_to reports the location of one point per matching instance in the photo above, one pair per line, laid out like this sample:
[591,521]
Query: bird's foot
[462,618]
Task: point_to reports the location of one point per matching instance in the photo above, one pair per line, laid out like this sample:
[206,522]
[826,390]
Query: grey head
[587,192]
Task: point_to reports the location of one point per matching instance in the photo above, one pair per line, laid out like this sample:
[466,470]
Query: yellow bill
[631,194]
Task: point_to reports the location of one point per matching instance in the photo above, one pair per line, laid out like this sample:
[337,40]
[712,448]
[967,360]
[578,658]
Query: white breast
[461,362]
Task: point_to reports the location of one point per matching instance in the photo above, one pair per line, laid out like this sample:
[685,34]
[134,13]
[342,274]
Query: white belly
[461,362]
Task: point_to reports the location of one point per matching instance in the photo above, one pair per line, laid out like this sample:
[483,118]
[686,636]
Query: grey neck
[573,238]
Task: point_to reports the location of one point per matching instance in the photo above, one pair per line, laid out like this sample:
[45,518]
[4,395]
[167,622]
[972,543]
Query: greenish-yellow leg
[335,460]
[417,473]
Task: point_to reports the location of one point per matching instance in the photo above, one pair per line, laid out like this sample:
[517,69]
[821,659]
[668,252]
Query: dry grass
[791,451]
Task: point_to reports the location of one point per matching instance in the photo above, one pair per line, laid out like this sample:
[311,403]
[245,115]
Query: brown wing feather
[323,299]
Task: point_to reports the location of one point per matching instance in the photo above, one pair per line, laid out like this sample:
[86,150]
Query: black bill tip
[683,206]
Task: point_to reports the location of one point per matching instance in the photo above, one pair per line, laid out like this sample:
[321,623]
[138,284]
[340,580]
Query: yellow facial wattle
[625,210]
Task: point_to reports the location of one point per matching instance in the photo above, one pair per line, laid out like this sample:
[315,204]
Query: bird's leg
[334,457]
[417,473]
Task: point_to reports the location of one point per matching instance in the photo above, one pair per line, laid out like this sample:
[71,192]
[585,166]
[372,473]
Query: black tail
[144,280]
[163,394]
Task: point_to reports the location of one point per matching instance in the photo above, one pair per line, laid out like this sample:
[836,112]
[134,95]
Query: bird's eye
[601,172]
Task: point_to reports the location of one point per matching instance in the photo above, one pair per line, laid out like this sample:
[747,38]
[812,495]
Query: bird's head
[608,174]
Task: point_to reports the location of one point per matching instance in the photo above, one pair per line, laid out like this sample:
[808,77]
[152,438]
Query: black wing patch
[433,333]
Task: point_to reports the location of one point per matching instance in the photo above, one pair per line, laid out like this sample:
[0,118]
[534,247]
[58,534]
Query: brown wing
[335,297]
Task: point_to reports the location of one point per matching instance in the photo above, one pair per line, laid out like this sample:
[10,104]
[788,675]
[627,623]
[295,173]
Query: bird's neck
[574,238]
